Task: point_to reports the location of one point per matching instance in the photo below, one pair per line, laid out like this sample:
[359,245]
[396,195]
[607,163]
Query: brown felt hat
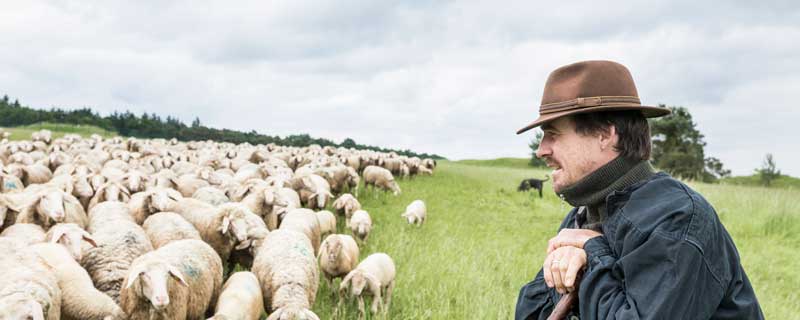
[590,86]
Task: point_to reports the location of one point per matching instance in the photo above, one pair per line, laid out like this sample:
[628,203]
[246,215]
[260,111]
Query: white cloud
[453,78]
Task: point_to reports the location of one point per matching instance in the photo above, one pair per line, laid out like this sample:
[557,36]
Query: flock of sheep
[146,229]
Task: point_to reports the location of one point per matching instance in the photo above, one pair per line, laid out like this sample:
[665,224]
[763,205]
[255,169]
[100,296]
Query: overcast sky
[453,78]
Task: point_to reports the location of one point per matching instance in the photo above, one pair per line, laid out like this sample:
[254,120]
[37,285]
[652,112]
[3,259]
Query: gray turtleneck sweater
[592,190]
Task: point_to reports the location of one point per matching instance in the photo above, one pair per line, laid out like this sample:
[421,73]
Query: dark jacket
[663,255]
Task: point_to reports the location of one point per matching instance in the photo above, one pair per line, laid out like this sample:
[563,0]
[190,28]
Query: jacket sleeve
[661,278]
[534,301]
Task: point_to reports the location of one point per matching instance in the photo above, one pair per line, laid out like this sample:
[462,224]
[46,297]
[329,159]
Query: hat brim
[647,111]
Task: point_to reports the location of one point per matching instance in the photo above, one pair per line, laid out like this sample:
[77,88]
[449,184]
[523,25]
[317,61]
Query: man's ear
[608,138]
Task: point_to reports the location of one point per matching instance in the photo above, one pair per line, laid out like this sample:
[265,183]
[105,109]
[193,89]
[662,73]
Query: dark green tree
[678,148]
[534,145]
[768,171]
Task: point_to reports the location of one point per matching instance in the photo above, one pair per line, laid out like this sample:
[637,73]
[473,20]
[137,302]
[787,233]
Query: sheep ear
[88,237]
[132,276]
[178,275]
[226,224]
[57,235]
[174,195]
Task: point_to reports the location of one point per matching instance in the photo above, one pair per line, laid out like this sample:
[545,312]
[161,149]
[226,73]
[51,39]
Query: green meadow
[483,240]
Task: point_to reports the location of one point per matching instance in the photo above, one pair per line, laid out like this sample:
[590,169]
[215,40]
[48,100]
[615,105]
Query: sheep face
[322,198]
[395,187]
[236,225]
[51,204]
[81,187]
[334,248]
[410,217]
[135,181]
[71,236]
[357,283]
[162,200]
[19,307]
[154,281]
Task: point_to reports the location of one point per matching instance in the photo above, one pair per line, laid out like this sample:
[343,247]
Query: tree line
[151,125]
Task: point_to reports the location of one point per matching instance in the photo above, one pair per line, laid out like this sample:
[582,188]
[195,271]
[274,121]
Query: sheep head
[135,181]
[50,204]
[333,246]
[19,306]
[394,187]
[293,313]
[162,199]
[81,187]
[154,281]
[360,280]
[234,221]
[71,236]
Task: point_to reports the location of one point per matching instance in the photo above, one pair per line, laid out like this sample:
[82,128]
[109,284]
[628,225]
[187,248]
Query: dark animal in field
[532,183]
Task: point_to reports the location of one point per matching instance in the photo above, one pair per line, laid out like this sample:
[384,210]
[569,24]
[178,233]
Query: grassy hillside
[484,240]
[519,163]
[59,130]
[783,181]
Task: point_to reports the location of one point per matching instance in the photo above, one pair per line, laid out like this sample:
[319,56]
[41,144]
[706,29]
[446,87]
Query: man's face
[571,155]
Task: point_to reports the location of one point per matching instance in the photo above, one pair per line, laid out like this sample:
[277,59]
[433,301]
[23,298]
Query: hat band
[580,103]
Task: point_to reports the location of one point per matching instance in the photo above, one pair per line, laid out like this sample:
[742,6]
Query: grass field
[484,240]
[59,130]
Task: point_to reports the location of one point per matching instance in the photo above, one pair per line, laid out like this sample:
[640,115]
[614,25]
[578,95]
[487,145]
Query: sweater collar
[615,175]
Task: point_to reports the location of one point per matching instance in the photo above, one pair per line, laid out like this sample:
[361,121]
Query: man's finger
[548,275]
[556,271]
[576,262]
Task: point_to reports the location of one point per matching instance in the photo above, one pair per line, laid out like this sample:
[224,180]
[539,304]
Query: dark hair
[631,126]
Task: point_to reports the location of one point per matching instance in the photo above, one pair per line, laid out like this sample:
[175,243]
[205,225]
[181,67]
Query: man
[638,244]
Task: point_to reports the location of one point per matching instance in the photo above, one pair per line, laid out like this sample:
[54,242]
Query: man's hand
[561,268]
[571,237]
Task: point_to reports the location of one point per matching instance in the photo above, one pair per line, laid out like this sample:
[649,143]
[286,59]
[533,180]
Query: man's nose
[543,151]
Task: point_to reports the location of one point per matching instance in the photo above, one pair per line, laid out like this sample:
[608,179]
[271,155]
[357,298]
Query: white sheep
[338,255]
[28,287]
[379,177]
[346,205]
[79,298]
[27,233]
[376,273]
[361,225]
[211,195]
[287,271]
[71,236]
[415,212]
[165,227]
[179,281]
[50,206]
[241,298]
[119,241]
[221,227]
[305,221]
[143,204]
[327,222]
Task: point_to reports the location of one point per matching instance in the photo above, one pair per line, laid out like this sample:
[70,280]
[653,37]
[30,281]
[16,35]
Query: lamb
[28,288]
[327,222]
[211,195]
[119,241]
[288,275]
[361,225]
[180,280]
[241,298]
[165,227]
[80,299]
[26,233]
[154,200]
[338,256]
[346,205]
[71,236]
[379,177]
[377,274]
[50,206]
[305,221]
[415,212]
